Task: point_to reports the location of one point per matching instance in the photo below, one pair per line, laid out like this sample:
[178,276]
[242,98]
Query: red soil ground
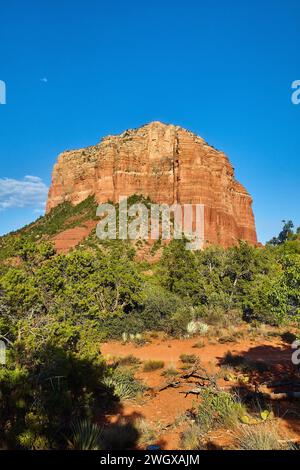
[162,409]
[70,238]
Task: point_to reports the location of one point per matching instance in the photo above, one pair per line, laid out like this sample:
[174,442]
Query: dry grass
[199,344]
[261,437]
[188,358]
[191,438]
[129,360]
[171,371]
[147,435]
[150,366]
[232,336]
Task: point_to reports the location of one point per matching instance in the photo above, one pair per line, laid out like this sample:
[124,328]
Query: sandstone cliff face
[167,163]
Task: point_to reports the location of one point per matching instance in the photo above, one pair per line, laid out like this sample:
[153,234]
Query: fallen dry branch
[169,385]
[197,371]
[195,391]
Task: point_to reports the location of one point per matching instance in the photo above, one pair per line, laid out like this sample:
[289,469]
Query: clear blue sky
[77,70]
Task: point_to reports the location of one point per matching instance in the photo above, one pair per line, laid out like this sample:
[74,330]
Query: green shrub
[115,325]
[219,409]
[177,325]
[159,305]
[218,316]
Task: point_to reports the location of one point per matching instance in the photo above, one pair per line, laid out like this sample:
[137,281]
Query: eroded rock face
[167,163]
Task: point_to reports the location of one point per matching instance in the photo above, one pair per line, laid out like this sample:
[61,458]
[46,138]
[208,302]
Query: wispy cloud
[29,192]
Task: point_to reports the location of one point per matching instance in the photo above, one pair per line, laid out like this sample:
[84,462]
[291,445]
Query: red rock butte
[168,164]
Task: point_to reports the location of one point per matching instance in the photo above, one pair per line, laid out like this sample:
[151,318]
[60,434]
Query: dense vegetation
[56,309]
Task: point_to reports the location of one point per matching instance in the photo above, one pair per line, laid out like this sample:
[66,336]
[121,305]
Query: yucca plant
[122,390]
[123,384]
[85,435]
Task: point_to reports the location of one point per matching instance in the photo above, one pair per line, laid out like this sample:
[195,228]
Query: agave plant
[85,435]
